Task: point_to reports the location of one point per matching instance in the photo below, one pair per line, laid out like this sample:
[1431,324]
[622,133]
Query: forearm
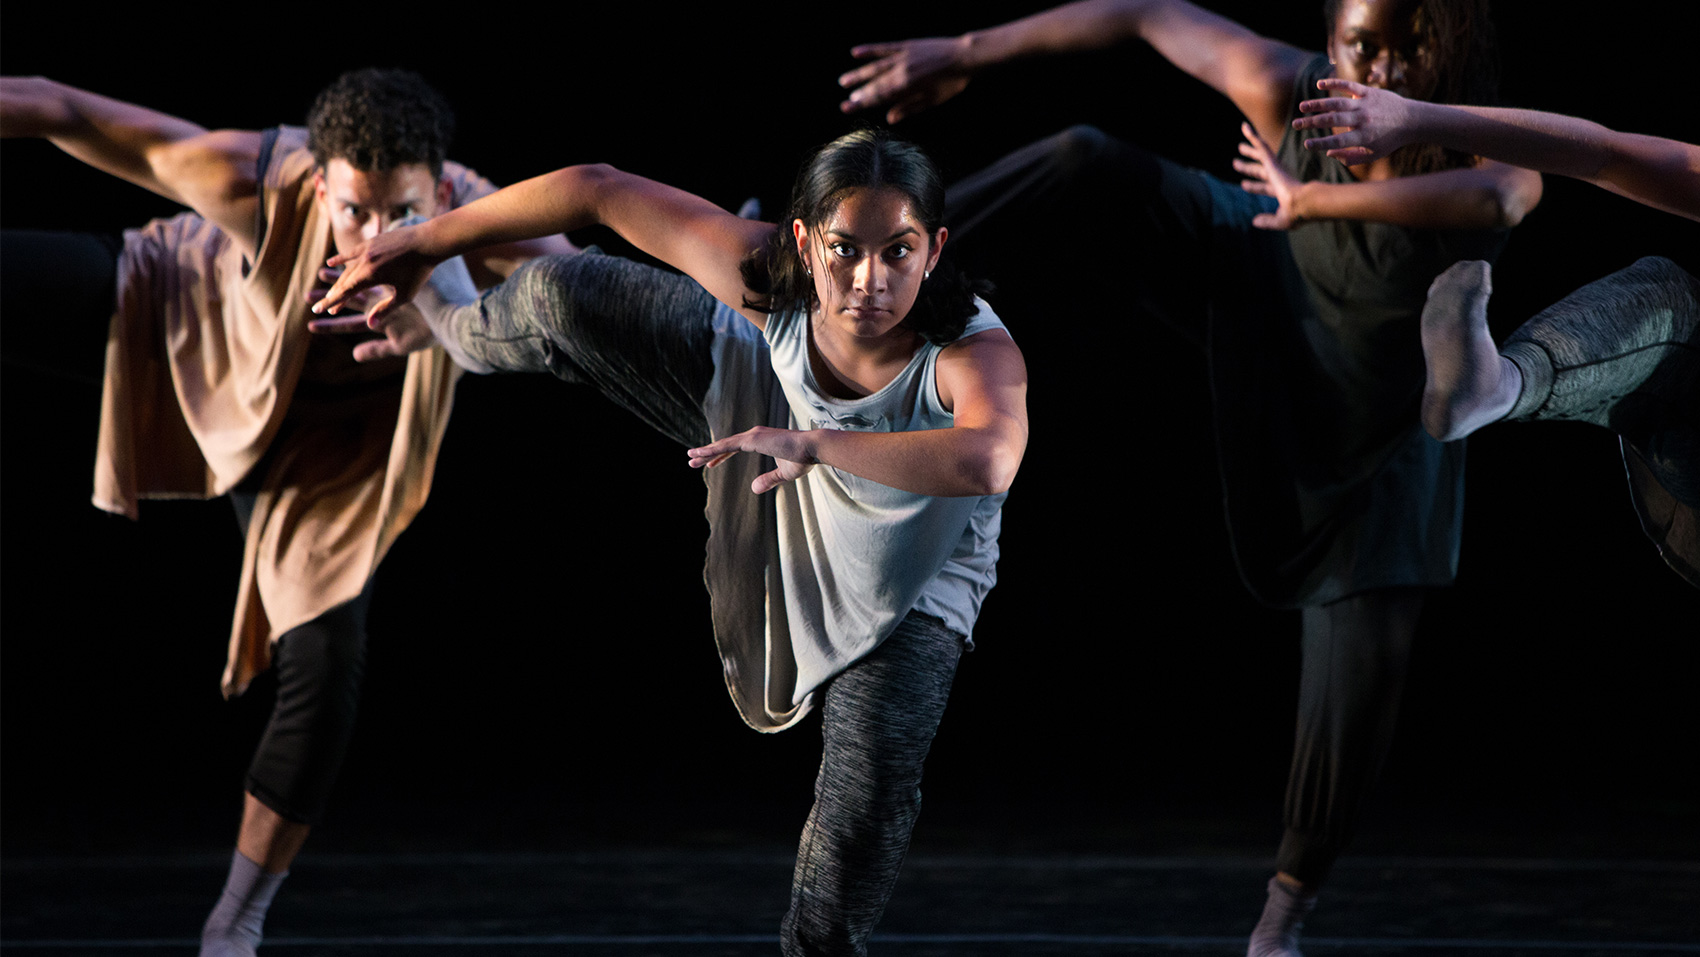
[1649,169]
[492,264]
[1251,70]
[1073,27]
[1454,199]
[543,206]
[945,462]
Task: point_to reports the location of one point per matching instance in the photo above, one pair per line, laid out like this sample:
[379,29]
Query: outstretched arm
[1254,71]
[682,230]
[210,172]
[981,378]
[1371,123]
[1488,195]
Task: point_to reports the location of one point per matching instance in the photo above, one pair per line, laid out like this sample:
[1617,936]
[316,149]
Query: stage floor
[973,885]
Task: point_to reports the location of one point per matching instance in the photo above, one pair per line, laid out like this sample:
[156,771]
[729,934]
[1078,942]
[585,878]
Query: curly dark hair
[865,159]
[378,120]
[1457,39]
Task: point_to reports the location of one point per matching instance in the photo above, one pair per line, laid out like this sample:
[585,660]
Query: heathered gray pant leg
[878,719]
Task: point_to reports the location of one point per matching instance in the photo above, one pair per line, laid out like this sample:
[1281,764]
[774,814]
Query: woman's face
[868,260]
[1374,43]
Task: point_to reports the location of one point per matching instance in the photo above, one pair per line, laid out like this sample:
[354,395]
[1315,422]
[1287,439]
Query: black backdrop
[540,637]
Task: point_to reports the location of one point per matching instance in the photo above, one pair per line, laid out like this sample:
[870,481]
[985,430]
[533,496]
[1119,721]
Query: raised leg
[640,335]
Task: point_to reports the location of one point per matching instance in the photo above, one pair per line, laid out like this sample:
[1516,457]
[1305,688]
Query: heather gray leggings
[642,336]
[1623,353]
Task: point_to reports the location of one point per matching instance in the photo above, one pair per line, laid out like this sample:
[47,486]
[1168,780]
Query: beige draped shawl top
[212,380]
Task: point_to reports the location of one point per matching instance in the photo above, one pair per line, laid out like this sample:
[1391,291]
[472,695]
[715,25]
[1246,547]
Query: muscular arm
[210,172]
[685,231]
[1489,196]
[1661,173]
[492,264]
[982,378]
[1255,72]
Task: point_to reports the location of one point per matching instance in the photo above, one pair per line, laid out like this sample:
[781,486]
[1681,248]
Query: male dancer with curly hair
[215,386]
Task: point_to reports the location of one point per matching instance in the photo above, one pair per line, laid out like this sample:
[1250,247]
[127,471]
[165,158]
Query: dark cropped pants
[1355,650]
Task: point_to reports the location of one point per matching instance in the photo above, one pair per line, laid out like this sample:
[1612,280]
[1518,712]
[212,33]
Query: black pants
[1355,650]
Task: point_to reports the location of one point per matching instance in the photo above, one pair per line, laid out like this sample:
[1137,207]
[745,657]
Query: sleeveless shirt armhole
[268,143]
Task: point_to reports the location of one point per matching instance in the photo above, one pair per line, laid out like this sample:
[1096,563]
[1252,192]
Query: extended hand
[404,328]
[909,76]
[391,259]
[1376,122]
[790,449]
[1266,177]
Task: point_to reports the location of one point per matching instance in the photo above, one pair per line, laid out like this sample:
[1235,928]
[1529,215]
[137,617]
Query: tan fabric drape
[210,372]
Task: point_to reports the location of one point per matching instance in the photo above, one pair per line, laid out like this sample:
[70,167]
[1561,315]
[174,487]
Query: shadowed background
[542,671]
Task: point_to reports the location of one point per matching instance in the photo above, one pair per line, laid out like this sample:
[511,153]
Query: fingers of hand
[710,455]
[341,324]
[1349,87]
[767,482]
[378,315]
[1352,155]
[375,350]
[865,72]
[1333,104]
[867,50]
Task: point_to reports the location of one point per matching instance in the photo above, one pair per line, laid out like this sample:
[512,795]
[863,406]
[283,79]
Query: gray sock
[1277,931]
[448,301]
[233,928]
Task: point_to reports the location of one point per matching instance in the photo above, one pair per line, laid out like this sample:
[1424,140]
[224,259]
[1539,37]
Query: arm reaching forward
[1253,71]
[687,232]
[210,172]
[981,378]
[1370,123]
[1488,195]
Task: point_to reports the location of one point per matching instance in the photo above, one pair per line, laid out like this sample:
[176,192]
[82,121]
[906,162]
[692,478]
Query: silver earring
[926,275]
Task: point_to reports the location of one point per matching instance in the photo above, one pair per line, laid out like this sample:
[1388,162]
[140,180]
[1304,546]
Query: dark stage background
[541,664]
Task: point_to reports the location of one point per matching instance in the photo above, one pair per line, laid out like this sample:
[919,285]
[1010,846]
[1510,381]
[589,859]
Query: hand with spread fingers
[1266,177]
[789,449]
[392,259]
[1368,123]
[907,76]
[404,328]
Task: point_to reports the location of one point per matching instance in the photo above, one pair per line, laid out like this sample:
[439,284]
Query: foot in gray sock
[1277,931]
[1469,383]
[234,927]
[447,301]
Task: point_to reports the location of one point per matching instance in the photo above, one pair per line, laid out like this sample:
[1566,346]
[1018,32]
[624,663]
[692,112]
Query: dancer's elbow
[1514,196]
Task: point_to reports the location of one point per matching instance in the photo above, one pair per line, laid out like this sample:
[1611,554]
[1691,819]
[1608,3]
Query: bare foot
[1469,383]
